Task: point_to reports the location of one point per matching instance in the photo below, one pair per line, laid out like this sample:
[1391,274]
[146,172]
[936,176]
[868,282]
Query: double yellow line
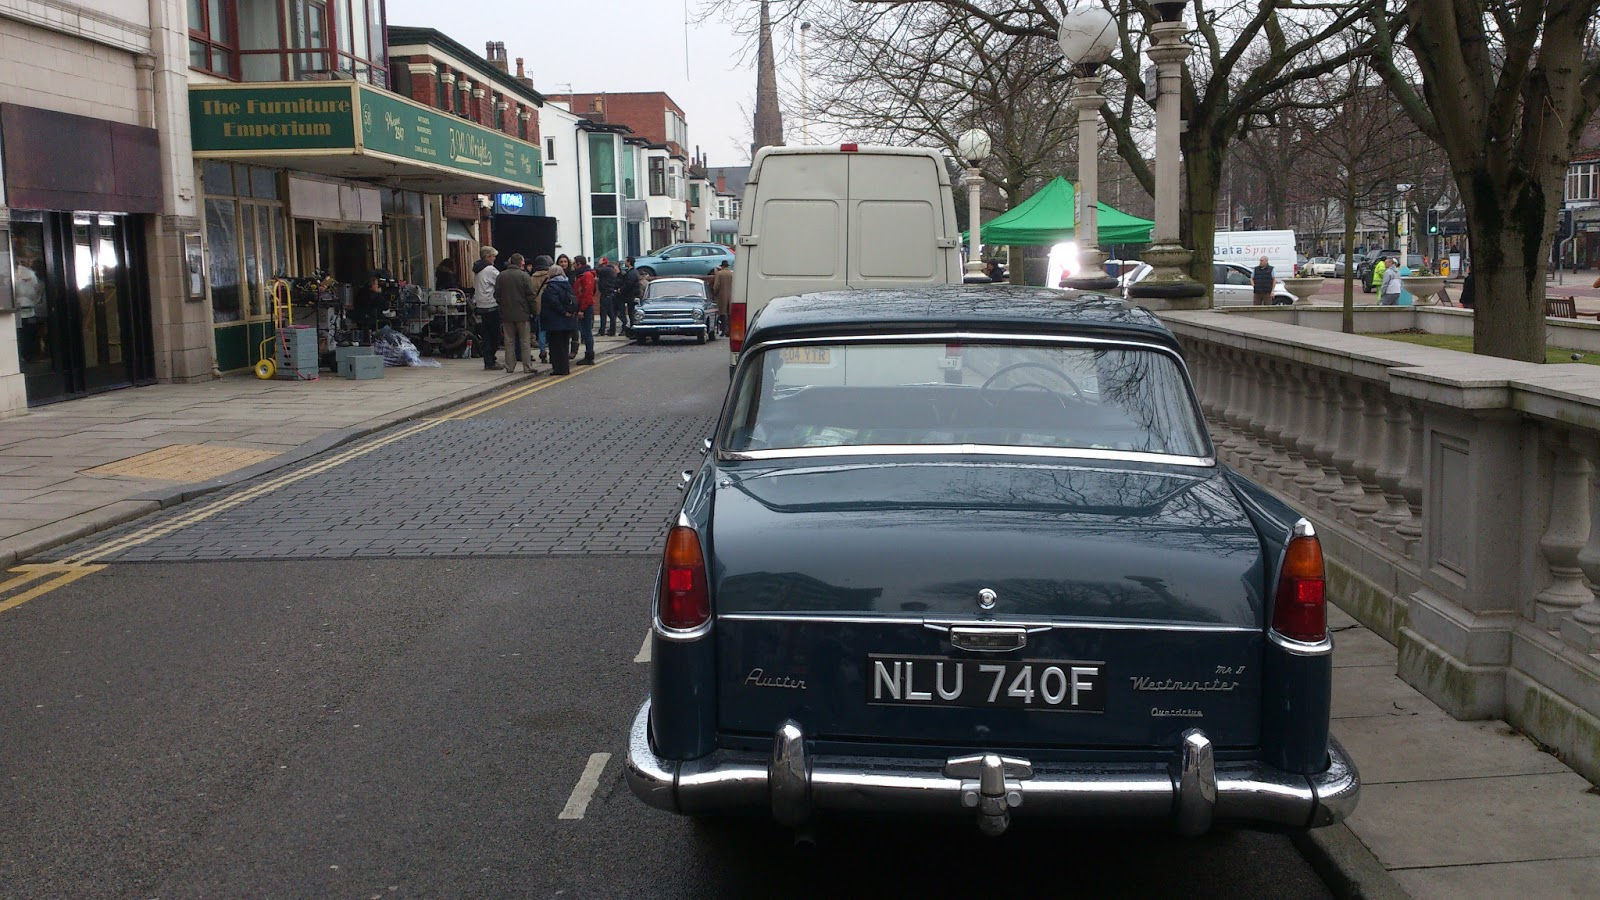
[89,561]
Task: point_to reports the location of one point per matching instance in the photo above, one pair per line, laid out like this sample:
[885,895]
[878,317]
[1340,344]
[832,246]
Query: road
[398,669]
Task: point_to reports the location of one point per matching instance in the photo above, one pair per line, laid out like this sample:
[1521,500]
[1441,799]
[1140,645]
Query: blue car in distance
[967,551]
[685,259]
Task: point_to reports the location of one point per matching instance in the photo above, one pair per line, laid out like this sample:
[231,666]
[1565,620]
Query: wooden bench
[1561,307]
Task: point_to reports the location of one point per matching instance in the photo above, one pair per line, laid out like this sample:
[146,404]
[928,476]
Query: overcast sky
[612,45]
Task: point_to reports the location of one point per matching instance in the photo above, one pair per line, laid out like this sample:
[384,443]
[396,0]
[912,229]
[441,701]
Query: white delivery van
[832,218]
[1247,247]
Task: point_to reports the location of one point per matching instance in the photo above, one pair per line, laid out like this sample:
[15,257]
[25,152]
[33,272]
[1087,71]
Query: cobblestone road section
[478,487]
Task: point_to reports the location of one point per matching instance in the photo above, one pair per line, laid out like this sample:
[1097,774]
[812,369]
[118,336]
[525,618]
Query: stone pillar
[1566,534]
[447,91]
[1168,286]
[1086,100]
[525,126]
[425,83]
[480,108]
[180,323]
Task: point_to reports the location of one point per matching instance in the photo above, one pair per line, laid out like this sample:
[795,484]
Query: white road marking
[583,791]
[643,655]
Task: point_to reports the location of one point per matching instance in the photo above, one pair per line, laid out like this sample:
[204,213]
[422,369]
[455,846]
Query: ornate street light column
[1168,285]
[1088,36]
[973,146]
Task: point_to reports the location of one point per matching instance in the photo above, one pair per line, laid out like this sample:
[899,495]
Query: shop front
[334,184]
[79,192]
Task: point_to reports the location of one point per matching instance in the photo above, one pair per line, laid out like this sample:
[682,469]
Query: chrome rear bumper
[1192,792]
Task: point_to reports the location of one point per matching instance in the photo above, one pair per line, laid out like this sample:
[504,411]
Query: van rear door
[898,235]
[797,230]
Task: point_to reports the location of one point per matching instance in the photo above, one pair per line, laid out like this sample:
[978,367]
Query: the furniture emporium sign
[277,117]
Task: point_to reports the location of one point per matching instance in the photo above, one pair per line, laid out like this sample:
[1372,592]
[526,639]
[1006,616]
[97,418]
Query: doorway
[346,255]
[86,323]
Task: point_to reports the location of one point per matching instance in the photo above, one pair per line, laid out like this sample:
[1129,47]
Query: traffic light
[1433,221]
[1564,225]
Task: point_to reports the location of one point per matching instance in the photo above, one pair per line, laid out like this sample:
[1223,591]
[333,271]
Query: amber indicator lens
[1299,611]
[685,601]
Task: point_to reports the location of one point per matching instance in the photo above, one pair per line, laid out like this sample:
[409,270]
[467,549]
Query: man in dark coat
[518,295]
[558,313]
[609,281]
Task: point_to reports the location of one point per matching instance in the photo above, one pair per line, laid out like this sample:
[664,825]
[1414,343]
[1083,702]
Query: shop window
[213,39]
[246,240]
[405,237]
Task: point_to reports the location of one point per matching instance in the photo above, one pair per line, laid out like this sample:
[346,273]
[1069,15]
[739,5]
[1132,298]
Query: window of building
[405,237]
[296,39]
[602,164]
[213,39]
[606,238]
[677,129]
[658,176]
[694,194]
[246,240]
[550,150]
[630,173]
[1583,182]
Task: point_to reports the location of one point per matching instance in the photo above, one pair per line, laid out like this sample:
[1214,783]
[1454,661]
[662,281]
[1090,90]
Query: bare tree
[1506,89]
[923,74]
[1355,151]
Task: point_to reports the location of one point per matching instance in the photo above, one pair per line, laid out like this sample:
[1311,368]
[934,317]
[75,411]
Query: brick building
[431,68]
[1582,196]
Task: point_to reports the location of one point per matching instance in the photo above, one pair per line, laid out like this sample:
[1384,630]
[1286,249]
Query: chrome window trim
[751,351]
[965,450]
[944,622]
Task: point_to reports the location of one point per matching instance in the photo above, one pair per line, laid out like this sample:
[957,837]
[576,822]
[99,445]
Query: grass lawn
[1464,344]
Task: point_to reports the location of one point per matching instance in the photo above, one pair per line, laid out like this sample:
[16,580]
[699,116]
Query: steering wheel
[1034,364]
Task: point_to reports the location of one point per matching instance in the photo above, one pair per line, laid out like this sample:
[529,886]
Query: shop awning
[455,230]
[1049,217]
[351,130]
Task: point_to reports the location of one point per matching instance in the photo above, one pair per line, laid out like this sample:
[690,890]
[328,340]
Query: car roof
[1000,308]
[694,278]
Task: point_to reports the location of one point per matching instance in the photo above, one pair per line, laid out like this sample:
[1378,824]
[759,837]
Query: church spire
[768,119]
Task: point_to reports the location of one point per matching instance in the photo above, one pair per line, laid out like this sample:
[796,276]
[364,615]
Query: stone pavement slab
[49,496]
[1448,808]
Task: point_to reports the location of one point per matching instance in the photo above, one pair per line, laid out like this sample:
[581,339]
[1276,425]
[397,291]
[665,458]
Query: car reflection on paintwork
[676,306]
[968,551]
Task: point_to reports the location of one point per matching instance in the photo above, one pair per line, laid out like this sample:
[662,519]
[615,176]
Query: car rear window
[660,290]
[1010,395]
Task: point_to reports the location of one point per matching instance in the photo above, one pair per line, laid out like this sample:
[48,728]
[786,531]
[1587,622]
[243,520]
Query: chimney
[519,69]
[722,183]
[499,58]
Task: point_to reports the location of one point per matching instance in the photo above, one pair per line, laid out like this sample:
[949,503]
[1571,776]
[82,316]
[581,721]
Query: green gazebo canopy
[1048,217]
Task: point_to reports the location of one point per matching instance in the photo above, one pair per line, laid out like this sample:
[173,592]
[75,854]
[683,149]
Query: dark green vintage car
[969,551]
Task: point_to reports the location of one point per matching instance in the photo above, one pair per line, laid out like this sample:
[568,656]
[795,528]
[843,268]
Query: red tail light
[736,326]
[685,601]
[849,148]
[1299,611]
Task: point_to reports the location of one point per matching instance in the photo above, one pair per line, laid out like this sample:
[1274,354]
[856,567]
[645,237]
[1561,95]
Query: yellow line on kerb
[86,562]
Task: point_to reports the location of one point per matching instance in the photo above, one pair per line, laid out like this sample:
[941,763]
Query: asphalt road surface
[409,670]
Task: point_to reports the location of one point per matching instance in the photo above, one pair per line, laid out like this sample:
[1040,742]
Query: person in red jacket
[584,287]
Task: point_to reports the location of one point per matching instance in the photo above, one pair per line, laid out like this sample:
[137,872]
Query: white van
[1247,247]
[830,218]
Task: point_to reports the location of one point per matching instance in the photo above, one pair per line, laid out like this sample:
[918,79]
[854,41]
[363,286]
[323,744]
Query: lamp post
[1087,36]
[1168,285]
[805,99]
[973,146]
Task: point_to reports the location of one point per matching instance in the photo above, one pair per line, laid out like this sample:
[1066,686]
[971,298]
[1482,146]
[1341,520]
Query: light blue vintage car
[685,259]
[967,551]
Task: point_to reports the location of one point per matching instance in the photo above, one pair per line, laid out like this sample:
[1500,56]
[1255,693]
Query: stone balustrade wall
[1457,496]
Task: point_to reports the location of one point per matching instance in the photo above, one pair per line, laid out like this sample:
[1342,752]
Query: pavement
[1448,808]
[1577,285]
[72,469]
